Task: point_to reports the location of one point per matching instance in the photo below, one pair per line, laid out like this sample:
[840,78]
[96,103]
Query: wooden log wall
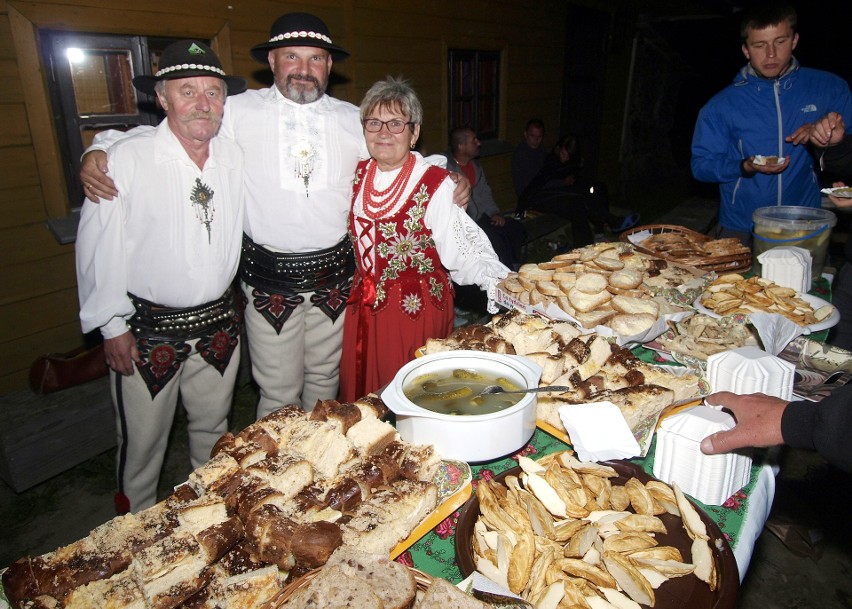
[38,301]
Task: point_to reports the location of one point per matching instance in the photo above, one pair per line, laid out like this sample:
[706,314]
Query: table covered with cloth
[740,518]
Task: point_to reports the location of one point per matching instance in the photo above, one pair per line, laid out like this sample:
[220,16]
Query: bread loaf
[333,588]
[391,581]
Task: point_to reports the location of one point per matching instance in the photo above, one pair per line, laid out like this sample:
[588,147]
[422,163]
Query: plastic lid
[793,216]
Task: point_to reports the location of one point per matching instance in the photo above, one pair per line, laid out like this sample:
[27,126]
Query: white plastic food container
[678,458]
[751,370]
[471,438]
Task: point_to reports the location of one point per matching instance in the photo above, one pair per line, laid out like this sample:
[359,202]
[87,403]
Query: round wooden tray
[727,264]
[423,581]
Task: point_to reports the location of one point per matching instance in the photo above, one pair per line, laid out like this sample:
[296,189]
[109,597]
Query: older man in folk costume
[155,269]
[301,147]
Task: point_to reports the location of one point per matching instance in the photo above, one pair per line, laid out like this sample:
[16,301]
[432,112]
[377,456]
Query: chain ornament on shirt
[303,155]
[305,128]
[202,200]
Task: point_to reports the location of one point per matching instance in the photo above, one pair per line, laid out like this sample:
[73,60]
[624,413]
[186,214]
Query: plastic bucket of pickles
[786,225]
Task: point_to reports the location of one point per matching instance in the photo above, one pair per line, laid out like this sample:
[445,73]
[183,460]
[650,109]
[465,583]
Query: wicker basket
[740,261]
[423,581]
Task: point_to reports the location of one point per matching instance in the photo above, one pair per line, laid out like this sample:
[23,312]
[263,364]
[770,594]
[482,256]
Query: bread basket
[739,261]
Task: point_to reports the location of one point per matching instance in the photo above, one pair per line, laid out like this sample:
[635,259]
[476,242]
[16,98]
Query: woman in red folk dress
[410,240]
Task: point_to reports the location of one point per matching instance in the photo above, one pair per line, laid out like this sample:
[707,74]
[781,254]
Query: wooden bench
[44,435]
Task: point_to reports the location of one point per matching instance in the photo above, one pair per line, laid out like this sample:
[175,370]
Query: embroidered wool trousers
[301,364]
[143,423]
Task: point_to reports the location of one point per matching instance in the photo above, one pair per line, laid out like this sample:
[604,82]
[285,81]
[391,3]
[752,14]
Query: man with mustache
[155,269]
[301,149]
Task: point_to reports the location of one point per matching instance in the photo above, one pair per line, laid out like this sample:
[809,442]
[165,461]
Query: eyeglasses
[374,125]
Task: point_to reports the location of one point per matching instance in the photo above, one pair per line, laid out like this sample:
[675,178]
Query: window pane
[488,76]
[88,133]
[463,113]
[464,77]
[102,81]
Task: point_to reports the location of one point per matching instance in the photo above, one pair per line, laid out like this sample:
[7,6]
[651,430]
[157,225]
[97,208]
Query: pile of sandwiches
[273,503]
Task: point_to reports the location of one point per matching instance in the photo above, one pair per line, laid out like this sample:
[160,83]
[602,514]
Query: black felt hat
[187,58]
[298,30]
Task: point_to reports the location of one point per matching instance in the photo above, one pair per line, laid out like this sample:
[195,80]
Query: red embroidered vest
[407,269]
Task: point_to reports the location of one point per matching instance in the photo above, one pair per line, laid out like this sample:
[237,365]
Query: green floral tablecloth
[435,553]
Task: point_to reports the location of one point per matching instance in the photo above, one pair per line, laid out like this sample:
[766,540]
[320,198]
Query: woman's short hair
[393,93]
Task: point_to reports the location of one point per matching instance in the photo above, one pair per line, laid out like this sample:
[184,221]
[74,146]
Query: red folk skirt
[384,341]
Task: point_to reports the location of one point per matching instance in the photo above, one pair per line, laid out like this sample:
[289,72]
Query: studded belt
[279,272]
[152,320]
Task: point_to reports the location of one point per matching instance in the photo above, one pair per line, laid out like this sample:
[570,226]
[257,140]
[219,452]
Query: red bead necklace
[387,198]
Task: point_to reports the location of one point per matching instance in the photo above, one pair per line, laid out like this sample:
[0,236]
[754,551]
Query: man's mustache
[302,77]
[203,116]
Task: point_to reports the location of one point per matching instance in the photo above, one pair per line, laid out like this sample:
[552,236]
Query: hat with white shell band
[298,30]
[184,59]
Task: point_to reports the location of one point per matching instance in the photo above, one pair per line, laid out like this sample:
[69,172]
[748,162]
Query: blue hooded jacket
[753,116]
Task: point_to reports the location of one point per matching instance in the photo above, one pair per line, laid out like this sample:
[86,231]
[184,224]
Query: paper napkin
[598,431]
[775,331]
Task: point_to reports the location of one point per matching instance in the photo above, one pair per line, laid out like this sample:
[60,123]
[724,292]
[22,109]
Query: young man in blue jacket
[765,112]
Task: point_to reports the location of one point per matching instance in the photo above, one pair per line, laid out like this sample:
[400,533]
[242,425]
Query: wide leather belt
[152,320]
[278,272]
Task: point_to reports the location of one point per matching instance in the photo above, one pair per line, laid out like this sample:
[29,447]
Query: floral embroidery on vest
[405,255]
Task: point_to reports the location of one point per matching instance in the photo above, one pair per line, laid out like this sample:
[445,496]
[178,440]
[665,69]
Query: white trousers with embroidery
[143,423]
[301,364]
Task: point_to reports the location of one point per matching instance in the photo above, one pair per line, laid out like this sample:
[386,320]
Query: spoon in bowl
[490,389]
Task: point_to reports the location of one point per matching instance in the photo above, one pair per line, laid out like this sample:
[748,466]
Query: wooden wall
[38,301]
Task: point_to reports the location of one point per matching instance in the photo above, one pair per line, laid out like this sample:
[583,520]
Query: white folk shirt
[281,212]
[150,240]
[463,248]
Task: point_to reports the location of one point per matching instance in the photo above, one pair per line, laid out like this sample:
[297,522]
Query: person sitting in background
[559,188]
[505,234]
[833,148]
[762,420]
[528,157]
[409,239]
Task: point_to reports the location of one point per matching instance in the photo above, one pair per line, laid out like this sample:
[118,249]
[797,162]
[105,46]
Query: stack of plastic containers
[751,370]
[787,266]
[678,458]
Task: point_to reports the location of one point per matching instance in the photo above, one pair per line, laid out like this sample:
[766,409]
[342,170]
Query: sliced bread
[333,588]
[391,581]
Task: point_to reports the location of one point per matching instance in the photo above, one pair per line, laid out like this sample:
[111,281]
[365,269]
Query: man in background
[506,234]
[528,157]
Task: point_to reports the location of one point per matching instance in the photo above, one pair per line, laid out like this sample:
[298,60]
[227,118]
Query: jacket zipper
[776,87]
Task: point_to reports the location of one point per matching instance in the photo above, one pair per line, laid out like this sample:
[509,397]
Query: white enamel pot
[472,438]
